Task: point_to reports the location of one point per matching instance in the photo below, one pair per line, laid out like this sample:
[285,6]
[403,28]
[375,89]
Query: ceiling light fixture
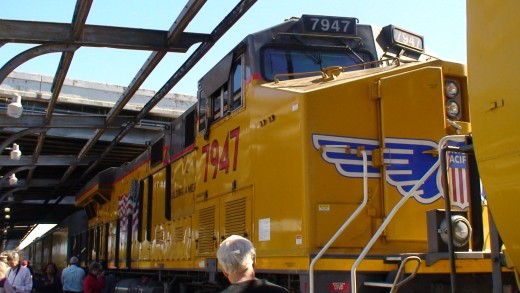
[12,179]
[15,108]
[15,152]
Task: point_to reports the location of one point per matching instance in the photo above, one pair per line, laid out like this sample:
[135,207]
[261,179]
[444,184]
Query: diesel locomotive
[337,148]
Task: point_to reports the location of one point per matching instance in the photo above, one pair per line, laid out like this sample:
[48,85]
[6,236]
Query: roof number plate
[408,39]
[329,24]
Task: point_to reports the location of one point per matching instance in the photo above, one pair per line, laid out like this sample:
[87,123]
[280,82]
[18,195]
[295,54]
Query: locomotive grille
[159,235]
[235,217]
[179,234]
[206,230]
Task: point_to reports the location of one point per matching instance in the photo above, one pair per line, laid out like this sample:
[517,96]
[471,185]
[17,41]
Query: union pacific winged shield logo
[406,160]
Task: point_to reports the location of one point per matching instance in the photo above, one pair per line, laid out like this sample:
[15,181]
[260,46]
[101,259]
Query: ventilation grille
[206,230]
[159,235]
[235,217]
[179,234]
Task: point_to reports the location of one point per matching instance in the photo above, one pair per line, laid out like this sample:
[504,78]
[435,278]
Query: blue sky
[441,22]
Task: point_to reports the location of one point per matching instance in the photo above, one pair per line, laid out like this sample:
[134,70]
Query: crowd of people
[18,277]
[236,255]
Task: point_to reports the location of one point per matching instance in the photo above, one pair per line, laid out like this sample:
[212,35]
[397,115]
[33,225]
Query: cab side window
[216,105]
[236,81]
[225,99]
[203,106]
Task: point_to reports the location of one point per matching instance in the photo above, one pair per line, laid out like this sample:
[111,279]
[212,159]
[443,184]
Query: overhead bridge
[41,193]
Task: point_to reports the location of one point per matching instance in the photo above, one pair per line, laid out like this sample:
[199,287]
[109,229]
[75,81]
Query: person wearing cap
[94,281]
[237,257]
[18,276]
[72,277]
[27,264]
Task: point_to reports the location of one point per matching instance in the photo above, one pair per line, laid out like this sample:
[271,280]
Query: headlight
[452,109]
[452,89]
[461,229]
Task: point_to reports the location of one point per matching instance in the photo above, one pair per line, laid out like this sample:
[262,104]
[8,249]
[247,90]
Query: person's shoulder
[270,287]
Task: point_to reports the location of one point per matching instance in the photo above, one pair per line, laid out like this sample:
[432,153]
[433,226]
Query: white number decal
[314,23]
[335,26]
[346,24]
[324,25]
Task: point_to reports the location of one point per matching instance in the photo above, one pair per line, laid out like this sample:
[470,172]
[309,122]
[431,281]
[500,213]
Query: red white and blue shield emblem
[458,179]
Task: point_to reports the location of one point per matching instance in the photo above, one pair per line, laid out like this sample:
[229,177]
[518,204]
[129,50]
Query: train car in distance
[329,144]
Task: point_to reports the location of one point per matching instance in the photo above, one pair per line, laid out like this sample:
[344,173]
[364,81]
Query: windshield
[289,60]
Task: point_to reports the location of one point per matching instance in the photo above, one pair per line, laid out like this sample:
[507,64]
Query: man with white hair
[72,277]
[18,276]
[237,256]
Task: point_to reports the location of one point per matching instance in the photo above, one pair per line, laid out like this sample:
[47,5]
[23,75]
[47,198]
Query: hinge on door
[377,158]
[375,90]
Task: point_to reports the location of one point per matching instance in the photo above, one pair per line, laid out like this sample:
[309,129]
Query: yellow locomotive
[493,88]
[311,127]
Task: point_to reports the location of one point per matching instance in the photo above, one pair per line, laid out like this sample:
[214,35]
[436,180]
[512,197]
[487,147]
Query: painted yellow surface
[257,173]
[493,64]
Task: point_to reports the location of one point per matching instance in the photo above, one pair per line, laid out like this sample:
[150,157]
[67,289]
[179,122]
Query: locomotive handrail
[392,214]
[344,226]
[400,279]
[325,72]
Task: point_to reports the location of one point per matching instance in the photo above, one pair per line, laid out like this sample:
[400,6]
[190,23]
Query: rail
[399,279]
[345,225]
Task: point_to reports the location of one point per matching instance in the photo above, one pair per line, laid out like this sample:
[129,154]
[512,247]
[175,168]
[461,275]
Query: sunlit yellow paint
[494,88]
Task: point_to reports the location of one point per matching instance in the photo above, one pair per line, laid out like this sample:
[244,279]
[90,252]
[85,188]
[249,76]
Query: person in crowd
[237,257]
[72,277]
[28,265]
[94,281]
[3,265]
[18,276]
[49,281]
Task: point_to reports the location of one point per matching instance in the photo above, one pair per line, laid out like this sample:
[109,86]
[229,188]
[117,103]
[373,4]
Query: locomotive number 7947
[218,158]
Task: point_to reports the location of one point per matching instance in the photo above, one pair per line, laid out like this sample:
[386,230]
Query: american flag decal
[458,179]
[128,204]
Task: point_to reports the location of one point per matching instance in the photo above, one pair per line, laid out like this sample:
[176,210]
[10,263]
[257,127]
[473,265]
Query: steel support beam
[34,183]
[65,121]
[174,33]
[38,32]
[57,160]
[238,11]
[31,53]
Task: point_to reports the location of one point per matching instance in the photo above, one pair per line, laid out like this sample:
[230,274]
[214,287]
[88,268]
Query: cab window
[236,78]
[224,100]
[203,106]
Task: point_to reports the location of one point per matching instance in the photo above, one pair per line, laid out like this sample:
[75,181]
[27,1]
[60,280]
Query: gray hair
[94,266]
[73,260]
[236,254]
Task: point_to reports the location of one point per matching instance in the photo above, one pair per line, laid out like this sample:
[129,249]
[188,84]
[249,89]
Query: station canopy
[67,130]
